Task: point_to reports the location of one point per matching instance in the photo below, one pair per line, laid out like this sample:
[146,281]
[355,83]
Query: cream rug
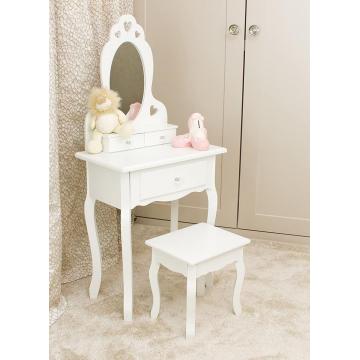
[274,323]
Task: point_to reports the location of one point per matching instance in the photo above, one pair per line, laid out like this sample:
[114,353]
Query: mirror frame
[152,115]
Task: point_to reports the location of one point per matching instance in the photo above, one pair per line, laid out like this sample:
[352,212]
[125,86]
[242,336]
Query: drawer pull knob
[128,142]
[177,179]
[162,137]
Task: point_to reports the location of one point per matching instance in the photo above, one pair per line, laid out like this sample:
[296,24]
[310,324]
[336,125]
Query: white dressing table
[144,168]
[138,177]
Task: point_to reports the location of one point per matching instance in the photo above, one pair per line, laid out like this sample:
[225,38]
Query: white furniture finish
[114,143]
[275,166]
[128,30]
[150,126]
[193,252]
[138,177]
[199,67]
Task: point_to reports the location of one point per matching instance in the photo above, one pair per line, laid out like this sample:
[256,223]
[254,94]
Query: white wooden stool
[195,251]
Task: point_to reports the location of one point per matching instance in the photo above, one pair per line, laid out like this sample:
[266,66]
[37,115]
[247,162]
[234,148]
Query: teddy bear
[104,117]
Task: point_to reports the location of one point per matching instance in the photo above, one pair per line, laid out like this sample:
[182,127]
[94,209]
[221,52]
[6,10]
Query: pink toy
[181,141]
[196,137]
[198,133]
[133,111]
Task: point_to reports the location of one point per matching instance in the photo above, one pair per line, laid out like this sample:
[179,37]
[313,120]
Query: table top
[147,157]
[197,243]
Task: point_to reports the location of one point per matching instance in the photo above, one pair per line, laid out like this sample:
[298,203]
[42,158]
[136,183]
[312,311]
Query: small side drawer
[171,179]
[117,143]
[159,137]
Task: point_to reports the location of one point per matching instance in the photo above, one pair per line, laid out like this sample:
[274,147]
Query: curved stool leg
[89,211]
[240,275]
[154,283]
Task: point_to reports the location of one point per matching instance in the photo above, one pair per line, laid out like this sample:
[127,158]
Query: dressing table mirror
[127,76]
[126,66]
[150,169]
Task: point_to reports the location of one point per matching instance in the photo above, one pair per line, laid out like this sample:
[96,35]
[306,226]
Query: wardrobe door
[198,67]
[274,178]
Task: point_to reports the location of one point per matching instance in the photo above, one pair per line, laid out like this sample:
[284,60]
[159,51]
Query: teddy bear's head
[102,100]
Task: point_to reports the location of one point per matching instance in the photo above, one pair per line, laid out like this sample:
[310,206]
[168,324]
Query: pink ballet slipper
[180,141]
[197,132]
[133,111]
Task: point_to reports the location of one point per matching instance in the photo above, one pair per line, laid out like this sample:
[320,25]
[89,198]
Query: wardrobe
[245,66]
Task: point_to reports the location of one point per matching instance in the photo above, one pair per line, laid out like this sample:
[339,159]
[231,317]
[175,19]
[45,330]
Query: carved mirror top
[152,114]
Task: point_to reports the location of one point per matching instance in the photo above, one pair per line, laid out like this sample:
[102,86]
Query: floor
[274,323]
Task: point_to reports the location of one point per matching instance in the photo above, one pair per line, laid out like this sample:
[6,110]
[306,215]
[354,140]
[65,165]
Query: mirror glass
[127,77]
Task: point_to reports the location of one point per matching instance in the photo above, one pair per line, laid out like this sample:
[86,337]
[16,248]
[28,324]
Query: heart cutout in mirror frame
[127,25]
[153,110]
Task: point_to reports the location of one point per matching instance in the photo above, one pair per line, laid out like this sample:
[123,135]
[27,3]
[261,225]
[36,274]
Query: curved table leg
[174,219]
[212,205]
[209,280]
[240,274]
[89,211]
[127,262]
[126,246]
[200,285]
[212,209]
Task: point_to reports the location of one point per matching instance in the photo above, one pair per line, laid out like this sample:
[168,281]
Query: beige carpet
[274,323]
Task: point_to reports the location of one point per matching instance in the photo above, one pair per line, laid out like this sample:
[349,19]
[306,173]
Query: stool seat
[193,252]
[197,243]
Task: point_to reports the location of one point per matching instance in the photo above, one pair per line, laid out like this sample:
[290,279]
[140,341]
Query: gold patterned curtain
[78,31]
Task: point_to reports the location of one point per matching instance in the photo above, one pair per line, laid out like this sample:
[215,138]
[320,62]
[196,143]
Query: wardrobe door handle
[254,30]
[234,29]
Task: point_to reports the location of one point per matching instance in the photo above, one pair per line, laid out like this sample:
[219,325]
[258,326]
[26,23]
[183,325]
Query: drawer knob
[177,179]
[128,142]
[162,137]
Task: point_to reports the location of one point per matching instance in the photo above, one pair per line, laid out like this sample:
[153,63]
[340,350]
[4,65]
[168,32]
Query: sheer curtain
[78,30]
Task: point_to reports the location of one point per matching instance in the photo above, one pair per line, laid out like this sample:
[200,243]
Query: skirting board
[252,234]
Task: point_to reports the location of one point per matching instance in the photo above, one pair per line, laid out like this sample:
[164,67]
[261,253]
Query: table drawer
[113,143]
[159,137]
[171,179]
